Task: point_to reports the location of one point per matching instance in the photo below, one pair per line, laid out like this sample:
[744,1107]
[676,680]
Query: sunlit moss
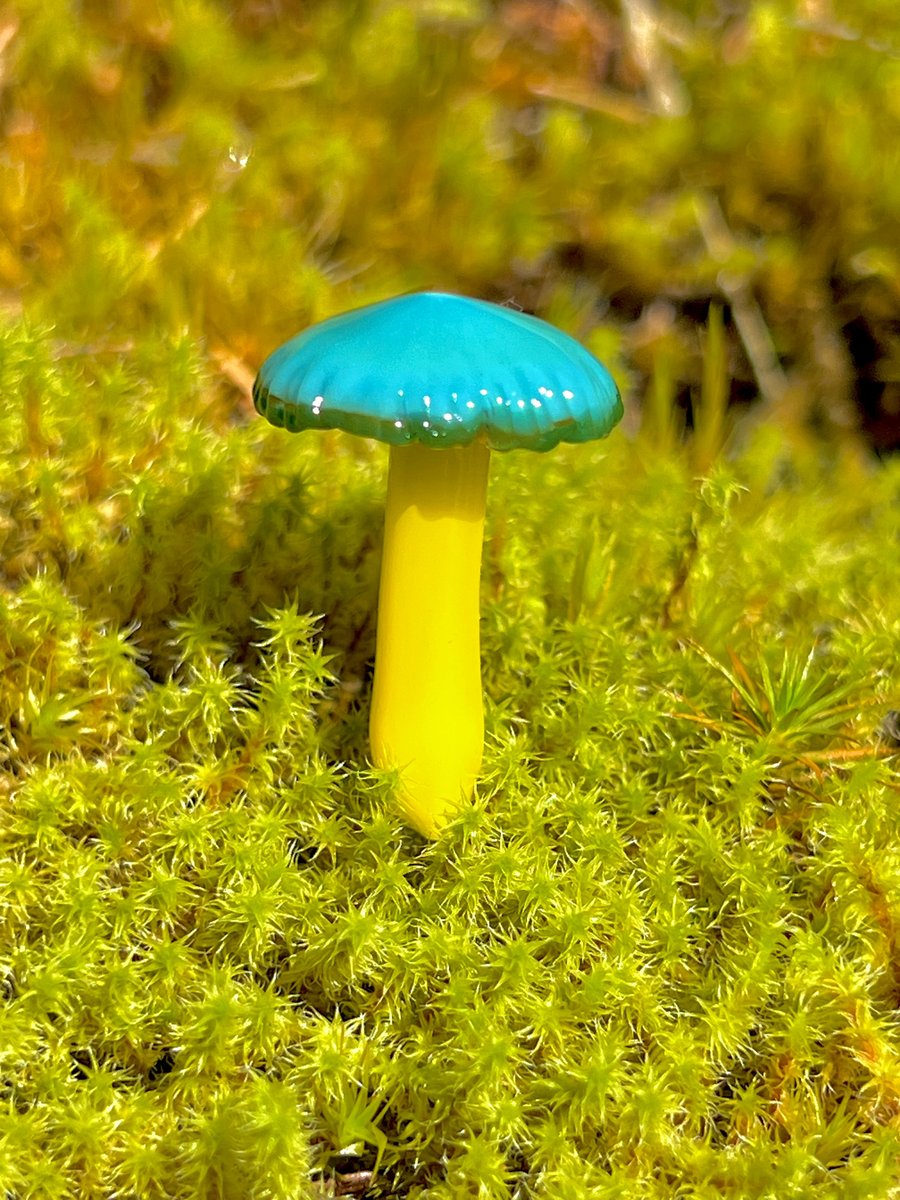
[662,938]
[657,955]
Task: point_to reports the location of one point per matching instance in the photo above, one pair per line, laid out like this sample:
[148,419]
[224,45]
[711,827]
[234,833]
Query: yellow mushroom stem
[427,719]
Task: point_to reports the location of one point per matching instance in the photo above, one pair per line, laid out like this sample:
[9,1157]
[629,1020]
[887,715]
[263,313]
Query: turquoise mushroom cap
[442,370]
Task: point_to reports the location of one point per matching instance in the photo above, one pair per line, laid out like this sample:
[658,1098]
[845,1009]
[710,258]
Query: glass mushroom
[443,380]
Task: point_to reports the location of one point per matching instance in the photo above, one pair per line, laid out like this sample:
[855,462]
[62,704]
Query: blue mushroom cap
[443,370]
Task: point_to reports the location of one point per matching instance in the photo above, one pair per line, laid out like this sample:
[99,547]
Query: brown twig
[668,95]
[235,371]
[749,321]
[591,99]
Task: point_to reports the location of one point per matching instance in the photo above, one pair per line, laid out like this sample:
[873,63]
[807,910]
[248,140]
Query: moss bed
[659,955]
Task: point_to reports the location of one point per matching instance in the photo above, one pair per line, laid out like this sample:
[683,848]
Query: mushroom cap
[443,370]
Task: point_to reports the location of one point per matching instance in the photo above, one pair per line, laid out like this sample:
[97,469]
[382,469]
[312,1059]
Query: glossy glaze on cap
[443,370]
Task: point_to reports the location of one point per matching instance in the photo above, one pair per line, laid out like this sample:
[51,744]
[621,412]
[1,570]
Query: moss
[657,956]
[662,942]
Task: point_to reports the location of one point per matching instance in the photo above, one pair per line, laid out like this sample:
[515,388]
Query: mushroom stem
[427,719]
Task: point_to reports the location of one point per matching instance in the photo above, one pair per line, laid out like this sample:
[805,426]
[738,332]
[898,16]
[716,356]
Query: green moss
[657,956]
[663,940]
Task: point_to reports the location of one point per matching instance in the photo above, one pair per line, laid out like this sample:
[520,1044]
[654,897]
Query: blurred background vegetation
[235,170]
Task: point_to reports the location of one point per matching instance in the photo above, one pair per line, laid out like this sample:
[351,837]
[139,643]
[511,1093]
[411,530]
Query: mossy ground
[658,956]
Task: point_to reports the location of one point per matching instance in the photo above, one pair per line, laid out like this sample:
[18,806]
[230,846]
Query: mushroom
[443,380]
